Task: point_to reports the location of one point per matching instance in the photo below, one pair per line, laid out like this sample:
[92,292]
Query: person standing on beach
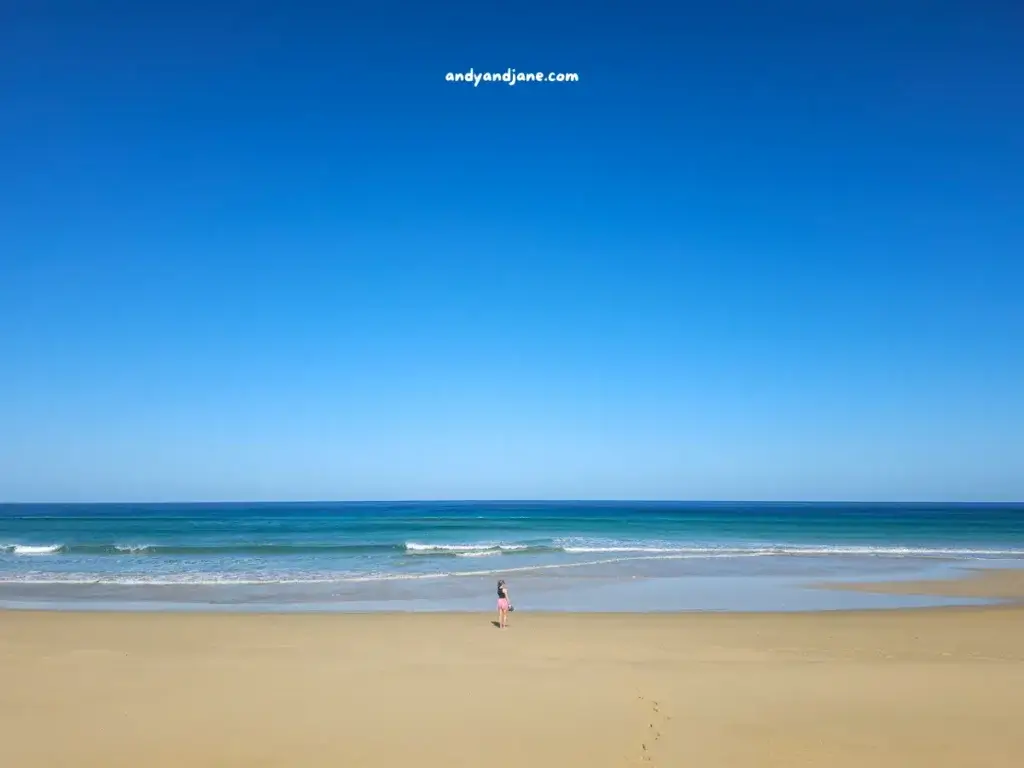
[503,604]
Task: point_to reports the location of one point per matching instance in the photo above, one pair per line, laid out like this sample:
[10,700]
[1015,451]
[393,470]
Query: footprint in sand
[649,744]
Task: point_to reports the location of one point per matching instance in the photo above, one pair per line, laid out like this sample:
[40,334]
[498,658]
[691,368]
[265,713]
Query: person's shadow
[496,624]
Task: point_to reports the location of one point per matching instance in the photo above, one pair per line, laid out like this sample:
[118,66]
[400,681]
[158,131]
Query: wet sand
[891,688]
[1002,584]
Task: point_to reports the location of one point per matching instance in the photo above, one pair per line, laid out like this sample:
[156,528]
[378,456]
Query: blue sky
[250,252]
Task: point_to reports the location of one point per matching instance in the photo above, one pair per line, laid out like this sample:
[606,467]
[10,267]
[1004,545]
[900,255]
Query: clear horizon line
[309,502]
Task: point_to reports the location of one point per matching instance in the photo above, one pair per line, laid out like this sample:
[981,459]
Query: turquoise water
[370,556]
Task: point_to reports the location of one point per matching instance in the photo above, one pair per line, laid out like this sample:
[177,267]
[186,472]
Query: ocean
[613,556]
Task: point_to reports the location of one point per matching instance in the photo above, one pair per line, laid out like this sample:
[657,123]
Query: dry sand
[908,688]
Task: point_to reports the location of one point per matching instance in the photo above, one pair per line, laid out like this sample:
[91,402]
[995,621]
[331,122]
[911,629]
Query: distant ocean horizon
[566,555]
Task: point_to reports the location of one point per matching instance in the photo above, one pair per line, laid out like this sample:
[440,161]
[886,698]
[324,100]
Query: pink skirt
[502,603]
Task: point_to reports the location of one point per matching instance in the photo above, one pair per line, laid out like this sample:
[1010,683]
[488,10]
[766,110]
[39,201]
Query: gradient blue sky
[265,251]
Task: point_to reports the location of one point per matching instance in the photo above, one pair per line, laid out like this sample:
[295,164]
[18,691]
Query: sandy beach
[902,688]
[999,584]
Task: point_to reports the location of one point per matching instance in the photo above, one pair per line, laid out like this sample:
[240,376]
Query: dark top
[502,592]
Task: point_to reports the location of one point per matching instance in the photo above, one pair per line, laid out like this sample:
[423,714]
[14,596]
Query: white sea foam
[248,579]
[575,546]
[32,549]
[577,553]
[228,579]
[797,549]
[653,550]
[413,546]
[177,580]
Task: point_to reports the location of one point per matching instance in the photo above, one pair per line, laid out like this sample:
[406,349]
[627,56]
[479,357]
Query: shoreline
[947,587]
[993,604]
